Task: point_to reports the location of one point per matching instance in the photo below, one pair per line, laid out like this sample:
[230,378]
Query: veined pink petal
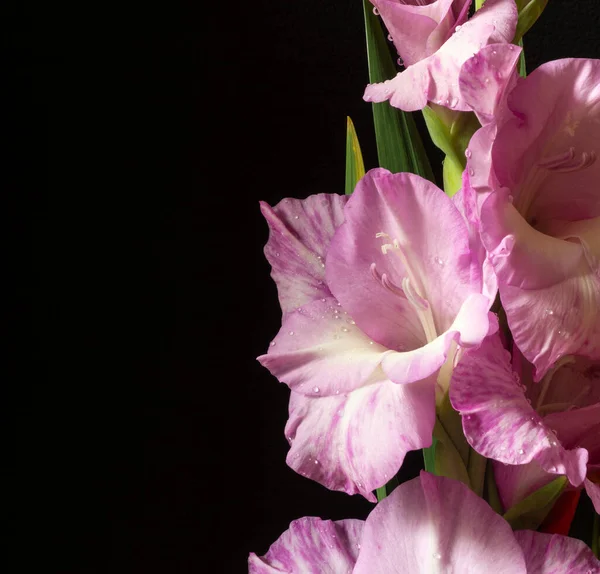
[556,554]
[499,422]
[419,29]
[299,234]
[578,427]
[401,263]
[320,351]
[435,524]
[593,491]
[312,546]
[554,279]
[356,442]
[539,153]
[436,78]
[486,78]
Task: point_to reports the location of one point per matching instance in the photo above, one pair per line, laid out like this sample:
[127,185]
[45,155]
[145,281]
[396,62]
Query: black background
[148,439]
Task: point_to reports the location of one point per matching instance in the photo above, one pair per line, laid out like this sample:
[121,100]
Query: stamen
[567,162]
[417,301]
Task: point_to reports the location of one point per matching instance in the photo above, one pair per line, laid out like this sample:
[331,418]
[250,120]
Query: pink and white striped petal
[299,234]
[499,422]
[312,546]
[356,442]
[556,554]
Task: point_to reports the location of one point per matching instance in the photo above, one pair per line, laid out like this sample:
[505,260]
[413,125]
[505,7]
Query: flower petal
[402,226]
[499,422]
[299,234]
[593,491]
[320,351]
[544,277]
[312,546]
[436,78]
[553,554]
[419,30]
[486,78]
[435,524]
[356,442]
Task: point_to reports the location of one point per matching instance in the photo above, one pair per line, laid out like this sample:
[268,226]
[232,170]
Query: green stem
[493,497]
[476,469]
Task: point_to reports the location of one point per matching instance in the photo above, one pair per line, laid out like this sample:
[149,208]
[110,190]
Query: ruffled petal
[556,118]
[312,546]
[553,280]
[320,351]
[435,524]
[436,78]
[356,442]
[593,491]
[499,422]
[299,234]
[486,78]
[554,554]
[402,255]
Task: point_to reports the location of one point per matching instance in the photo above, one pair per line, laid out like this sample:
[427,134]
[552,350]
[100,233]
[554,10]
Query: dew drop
[323,300]
[316,461]
[375,11]
[454,103]
[471,171]
[296,217]
[400,62]
[322,264]
[487,80]
[548,312]
[439,261]
[521,451]
[458,27]
[316,389]
[291,332]
[370,342]
[437,555]
[468,153]
[390,38]
[345,329]
[276,253]
[552,469]
[272,343]
[494,52]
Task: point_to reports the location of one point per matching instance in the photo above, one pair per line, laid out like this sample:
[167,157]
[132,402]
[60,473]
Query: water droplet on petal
[400,62]
[316,461]
[291,332]
[276,253]
[471,171]
[468,153]
[487,80]
[375,11]
[296,217]
[458,27]
[494,52]
[316,389]
[521,451]
[552,469]
[437,555]
[370,342]
[439,261]
[272,343]
[548,312]
[390,38]
[345,329]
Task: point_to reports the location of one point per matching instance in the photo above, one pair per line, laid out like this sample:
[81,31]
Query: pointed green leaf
[355,168]
[528,15]
[399,145]
[492,497]
[429,456]
[522,66]
[448,461]
[530,512]
[385,490]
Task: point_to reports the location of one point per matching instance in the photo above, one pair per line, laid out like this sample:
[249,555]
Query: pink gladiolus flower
[537,195]
[539,430]
[429,524]
[419,28]
[372,310]
[437,78]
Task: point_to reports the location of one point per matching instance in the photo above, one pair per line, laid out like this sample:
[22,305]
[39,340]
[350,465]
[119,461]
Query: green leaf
[528,15]
[447,459]
[355,168]
[522,65]
[429,456]
[492,497]
[530,512]
[399,145]
[385,490]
